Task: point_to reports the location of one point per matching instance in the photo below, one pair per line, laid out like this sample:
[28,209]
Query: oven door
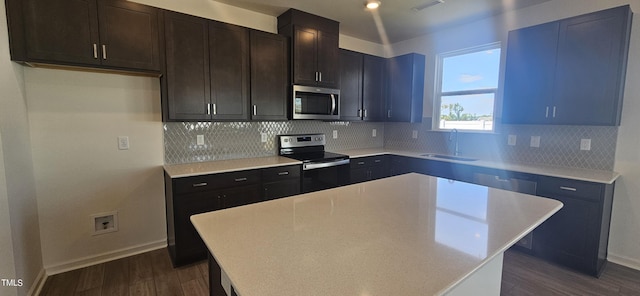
[315,103]
[324,175]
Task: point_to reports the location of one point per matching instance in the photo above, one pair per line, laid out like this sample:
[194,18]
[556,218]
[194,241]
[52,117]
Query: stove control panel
[305,140]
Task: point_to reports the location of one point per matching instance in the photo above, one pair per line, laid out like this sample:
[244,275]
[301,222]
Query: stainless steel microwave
[315,103]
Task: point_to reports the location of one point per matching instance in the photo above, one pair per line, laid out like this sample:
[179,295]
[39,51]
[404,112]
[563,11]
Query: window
[467,83]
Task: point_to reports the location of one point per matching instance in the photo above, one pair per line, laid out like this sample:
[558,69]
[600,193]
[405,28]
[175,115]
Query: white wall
[624,242]
[76,117]
[18,208]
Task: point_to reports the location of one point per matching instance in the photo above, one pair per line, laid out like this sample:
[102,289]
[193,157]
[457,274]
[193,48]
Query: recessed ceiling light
[372,4]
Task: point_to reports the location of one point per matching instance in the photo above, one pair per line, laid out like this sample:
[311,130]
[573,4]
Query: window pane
[470,112]
[477,70]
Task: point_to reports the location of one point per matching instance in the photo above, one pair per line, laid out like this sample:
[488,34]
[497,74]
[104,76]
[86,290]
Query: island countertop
[406,235]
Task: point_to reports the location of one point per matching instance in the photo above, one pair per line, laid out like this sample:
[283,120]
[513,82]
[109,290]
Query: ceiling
[396,17]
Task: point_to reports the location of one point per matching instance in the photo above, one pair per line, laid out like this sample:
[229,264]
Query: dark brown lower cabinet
[577,236]
[194,195]
[205,193]
[369,168]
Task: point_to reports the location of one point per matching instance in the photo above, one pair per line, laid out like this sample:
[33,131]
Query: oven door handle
[320,165]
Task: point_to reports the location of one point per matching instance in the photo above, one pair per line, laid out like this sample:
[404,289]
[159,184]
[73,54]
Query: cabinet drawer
[550,187]
[281,173]
[368,161]
[216,181]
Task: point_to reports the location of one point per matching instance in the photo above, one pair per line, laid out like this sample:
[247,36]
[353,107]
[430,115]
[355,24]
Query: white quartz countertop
[405,235]
[597,176]
[223,166]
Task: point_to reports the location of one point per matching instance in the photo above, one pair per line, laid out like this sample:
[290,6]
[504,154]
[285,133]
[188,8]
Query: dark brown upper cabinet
[186,84]
[361,86]
[229,68]
[405,88]
[568,72]
[269,83]
[315,57]
[222,72]
[112,34]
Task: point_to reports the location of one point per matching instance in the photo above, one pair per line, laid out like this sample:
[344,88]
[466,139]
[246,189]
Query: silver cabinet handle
[95,51]
[200,184]
[283,173]
[365,113]
[208,109]
[554,111]
[215,110]
[360,162]
[377,160]
[389,114]
[255,110]
[320,76]
[240,179]
[546,113]
[316,76]
[359,112]
[104,52]
[568,188]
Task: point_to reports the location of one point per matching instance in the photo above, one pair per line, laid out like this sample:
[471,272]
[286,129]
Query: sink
[451,157]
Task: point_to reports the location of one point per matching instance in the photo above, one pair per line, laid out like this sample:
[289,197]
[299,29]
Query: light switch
[512,140]
[415,134]
[374,133]
[200,139]
[263,137]
[585,144]
[123,143]
[335,134]
[535,141]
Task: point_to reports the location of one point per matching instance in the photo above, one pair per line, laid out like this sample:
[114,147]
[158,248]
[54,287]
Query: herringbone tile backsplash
[559,145]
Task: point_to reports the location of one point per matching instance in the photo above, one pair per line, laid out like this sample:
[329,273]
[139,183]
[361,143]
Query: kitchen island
[406,235]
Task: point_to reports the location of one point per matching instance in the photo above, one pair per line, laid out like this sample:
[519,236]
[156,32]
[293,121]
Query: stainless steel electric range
[320,169]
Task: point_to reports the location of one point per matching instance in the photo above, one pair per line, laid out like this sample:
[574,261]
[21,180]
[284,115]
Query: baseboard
[104,257]
[38,283]
[624,261]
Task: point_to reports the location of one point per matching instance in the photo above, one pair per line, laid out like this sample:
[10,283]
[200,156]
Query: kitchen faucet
[454,132]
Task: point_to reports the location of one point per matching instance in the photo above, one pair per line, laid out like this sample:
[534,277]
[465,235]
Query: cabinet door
[570,237]
[268,76]
[305,56]
[350,85]
[405,88]
[189,246]
[273,190]
[128,35]
[328,60]
[187,67]
[239,196]
[592,52]
[529,74]
[63,31]
[229,67]
[373,99]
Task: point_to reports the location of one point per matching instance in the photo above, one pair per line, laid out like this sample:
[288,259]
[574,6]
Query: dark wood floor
[152,274]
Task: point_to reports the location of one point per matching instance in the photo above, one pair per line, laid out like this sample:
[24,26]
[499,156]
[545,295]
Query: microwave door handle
[333,104]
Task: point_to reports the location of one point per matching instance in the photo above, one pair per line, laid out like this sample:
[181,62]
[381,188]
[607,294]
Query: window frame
[438,94]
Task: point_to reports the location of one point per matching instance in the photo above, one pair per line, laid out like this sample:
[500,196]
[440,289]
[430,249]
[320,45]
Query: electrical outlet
[414,134]
[585,144]
[123,143]
[335,134]
[535,141]
[512,140]
[263,137]
[374,133]
[104,223]
[200,139]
